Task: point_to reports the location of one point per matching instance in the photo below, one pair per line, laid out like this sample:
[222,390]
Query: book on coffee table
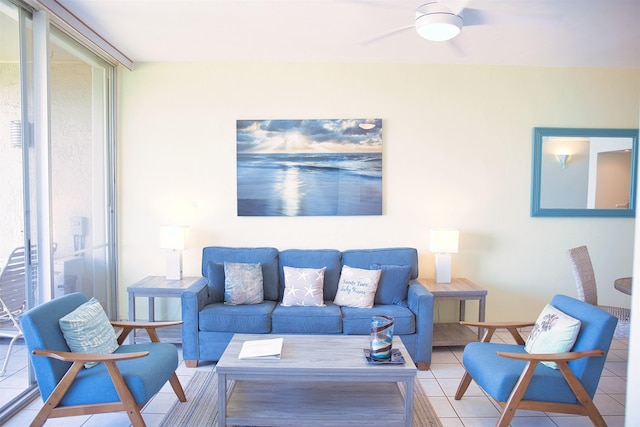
[261,349]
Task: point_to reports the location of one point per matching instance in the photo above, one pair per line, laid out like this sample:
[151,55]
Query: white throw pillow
[88,330]
[357,287]
[554,332]
[303,286]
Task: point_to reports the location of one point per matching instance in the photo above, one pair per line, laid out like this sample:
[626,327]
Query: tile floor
[440,383]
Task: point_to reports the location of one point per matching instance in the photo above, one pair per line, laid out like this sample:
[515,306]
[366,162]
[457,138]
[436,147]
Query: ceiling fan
[437,21]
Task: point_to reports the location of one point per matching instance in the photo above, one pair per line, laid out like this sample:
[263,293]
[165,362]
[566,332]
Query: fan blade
[472,16]
[385,34]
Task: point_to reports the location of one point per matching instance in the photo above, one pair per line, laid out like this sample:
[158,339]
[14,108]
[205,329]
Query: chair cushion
[242,283]
[88,330]
[394,283]
[553,332]
[357,321]
[547,385]
[240,319]
[307,320]
[144,376]
[303,286]
[357,287]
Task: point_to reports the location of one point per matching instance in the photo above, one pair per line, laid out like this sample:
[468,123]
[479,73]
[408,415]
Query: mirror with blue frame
[584,172]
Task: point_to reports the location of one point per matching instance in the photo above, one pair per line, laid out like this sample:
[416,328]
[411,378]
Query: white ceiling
[589,33]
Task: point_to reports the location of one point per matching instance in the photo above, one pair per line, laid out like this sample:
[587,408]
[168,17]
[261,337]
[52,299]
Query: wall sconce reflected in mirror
[563,158]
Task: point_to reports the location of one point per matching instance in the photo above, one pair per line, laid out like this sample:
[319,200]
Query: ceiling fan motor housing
[436,22]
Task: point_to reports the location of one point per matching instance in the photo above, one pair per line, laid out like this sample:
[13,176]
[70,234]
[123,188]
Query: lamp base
[443,268]
[174,265]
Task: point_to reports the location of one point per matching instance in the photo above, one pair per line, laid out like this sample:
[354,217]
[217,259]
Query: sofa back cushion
[266,257]
[314,258]
[367,258]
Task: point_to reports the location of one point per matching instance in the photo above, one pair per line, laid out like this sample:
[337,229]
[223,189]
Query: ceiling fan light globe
[438,26]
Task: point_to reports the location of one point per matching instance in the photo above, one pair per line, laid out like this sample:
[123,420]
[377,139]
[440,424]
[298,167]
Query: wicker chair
[587,291]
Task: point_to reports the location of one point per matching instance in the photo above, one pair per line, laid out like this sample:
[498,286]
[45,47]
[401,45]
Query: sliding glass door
[79,87]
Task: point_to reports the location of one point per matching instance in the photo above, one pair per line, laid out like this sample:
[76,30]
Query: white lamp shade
[173,237]
[444,240]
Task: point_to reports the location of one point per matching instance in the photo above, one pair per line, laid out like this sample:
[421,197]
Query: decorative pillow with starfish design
[303,286]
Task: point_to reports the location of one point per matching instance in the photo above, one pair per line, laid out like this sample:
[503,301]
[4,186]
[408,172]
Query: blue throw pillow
[393,286]
[243,283]
[215,276]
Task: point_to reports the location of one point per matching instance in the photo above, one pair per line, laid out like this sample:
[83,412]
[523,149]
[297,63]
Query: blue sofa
[209,324]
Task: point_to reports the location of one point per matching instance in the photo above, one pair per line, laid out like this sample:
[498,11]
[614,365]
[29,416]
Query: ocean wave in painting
[311,184]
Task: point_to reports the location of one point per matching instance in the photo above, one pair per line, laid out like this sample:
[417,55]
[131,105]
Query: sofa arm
[193,300]
[420,302]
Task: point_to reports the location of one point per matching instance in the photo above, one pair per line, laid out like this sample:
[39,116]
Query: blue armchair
[125,380]
[517,379]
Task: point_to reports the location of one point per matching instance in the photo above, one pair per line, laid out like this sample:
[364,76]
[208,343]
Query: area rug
[201,407]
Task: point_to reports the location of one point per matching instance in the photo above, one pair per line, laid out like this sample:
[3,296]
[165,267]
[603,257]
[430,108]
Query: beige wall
[457,153]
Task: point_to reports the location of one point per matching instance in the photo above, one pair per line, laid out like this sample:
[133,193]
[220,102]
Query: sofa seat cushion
[307,320]
[240,319]
[546,385]
[357,321]
[143,382]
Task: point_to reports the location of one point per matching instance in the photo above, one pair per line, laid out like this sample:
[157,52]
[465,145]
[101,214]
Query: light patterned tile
[611,385]
[539,421]
[431,387]
[617,368]
[450,386]
[442,407]
[607,405]
[447,370]
[474,406]
[479,422]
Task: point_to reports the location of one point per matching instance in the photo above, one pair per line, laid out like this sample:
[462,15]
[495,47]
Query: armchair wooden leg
[463,386]
[57,394]
[582,395]
[191,363]
[128,402]
[516,396]
[177,387]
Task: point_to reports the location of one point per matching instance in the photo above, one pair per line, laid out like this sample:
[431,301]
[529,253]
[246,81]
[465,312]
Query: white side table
[157,287]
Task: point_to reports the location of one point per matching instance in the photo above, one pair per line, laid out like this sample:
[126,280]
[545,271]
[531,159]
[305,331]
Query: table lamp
[173,237]
[443,242]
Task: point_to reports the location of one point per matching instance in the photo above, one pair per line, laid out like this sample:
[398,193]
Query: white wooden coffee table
[319,381]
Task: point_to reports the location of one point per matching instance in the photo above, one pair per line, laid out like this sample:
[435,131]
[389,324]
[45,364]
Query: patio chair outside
[13,298]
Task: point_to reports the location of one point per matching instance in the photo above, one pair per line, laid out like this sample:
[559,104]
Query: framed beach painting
[309,167]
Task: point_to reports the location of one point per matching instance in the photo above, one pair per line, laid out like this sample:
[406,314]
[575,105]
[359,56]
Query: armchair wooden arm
[150,327]
[551,357]
[86,357]
[491,327]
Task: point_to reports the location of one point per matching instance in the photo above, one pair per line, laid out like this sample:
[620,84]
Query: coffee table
[320,380]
